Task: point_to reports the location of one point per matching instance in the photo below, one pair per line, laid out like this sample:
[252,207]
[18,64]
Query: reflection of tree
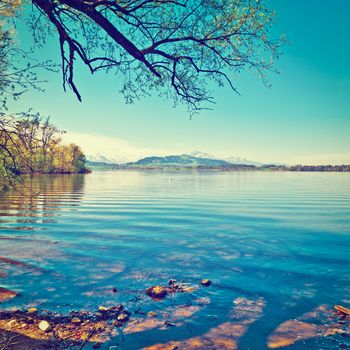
[41,196]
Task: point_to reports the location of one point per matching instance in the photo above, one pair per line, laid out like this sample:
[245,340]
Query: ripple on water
[277,242]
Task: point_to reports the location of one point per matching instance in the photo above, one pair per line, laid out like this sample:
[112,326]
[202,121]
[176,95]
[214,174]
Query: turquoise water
[283,238]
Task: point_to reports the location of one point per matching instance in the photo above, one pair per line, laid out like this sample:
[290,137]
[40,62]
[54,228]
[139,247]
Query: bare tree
[171,46]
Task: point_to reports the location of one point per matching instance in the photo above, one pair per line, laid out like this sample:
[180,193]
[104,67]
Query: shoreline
[34,329]
[217,170]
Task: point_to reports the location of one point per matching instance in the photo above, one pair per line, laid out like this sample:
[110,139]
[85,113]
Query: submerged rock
[44,326]
[6,294]
[342,309]
[99,315]
[172,282]
[151,314]
[333,331]
[205,282]
[123,317]
[156,292]
[111,309]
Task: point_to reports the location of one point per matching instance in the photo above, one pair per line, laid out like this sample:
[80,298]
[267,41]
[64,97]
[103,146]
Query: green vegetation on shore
[29,144]
[185,161]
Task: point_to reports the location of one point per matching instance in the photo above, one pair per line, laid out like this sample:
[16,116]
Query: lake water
[276,243]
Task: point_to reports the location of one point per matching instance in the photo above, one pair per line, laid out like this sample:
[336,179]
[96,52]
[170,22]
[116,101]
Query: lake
[275,245]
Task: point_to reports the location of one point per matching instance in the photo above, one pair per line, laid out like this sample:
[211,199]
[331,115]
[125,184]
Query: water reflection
[275,243]
[39,200]
[33,207]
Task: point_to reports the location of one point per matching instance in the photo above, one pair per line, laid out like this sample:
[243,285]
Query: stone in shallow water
[102,309]
[6,294]
[32,310]
[44,326]
[291,331]
[123,317]
[152,314]
[205,282]
[76,320]
[342,309]
[225,335]
[157,292]
[172,282]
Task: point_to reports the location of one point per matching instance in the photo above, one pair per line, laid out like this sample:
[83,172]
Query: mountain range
[197,158]
[201,161]
[183,160]
[231,159]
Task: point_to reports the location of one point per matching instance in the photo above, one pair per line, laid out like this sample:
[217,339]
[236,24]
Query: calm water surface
[281,238]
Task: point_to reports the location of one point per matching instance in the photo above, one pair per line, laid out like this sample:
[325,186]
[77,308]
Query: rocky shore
[37,329]
[42,329]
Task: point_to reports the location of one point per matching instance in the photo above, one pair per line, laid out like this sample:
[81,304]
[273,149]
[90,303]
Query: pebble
[123,317]
[205,282]
[11,323]
[76,320]
[152,314]
[44,326]
[32,310]
[102,309]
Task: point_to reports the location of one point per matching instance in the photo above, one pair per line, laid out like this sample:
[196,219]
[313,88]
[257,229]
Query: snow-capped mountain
[98,157]
[199,154]
[231,159]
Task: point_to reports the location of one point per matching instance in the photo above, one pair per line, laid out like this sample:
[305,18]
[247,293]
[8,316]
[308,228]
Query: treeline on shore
[30,144]
[230,167]
[337,168]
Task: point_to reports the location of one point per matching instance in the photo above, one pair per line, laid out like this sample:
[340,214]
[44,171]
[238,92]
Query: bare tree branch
[195,40]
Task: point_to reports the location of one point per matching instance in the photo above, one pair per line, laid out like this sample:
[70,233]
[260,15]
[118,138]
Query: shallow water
[283,238]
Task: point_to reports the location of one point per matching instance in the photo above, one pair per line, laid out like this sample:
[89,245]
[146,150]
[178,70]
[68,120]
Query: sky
[304,118]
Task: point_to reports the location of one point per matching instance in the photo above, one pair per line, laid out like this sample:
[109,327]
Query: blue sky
[303,118]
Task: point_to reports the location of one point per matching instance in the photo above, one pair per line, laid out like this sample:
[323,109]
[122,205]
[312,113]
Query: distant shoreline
[233,167]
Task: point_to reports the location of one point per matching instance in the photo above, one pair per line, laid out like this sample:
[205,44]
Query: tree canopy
[31,145]
[170,46]
[28,142]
